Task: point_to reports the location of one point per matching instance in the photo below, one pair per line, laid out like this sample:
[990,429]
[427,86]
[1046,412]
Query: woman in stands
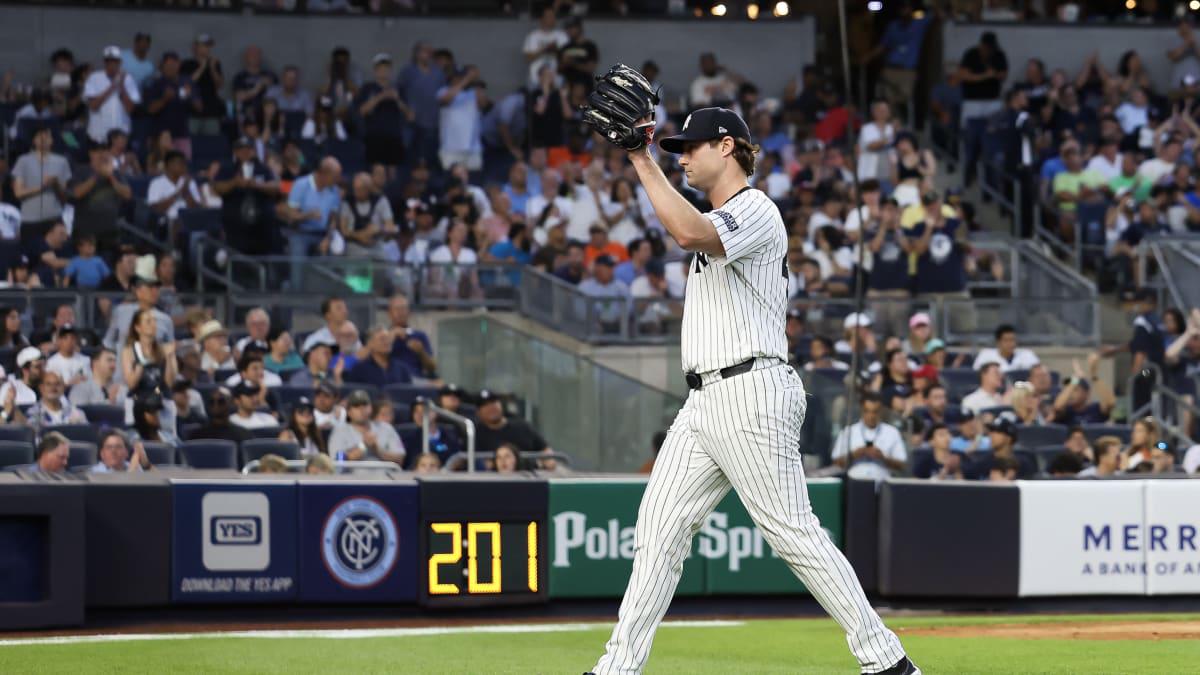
[282,355]
[894,372]
[913,170]
[148,420]
[147,367]
[322,125]
[508,458]
[302,430]
[10,329]
[1145,453]
[1024,402]
[156,158]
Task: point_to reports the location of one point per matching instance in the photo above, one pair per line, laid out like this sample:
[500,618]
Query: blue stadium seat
[407,393]
[410,435]
[352,153]
[959,381]
[209,148]
[103,414]
[160,454]
[81,433]
[82,455]
[255,449]
[1094,431]
[18,433]
[268,433]
[140,186]
[210,454]
[15,453]
[207,221]
[293,123]
[1045,434]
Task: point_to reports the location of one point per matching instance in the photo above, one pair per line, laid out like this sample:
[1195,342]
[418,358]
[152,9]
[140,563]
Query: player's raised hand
[621,108]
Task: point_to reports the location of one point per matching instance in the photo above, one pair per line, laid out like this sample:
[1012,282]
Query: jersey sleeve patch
[729,221]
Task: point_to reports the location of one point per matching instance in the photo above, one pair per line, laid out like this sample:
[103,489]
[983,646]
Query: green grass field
[757,646]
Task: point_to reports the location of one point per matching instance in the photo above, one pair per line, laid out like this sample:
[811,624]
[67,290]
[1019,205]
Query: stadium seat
[222,374]
[410,436]
[207,221]
[103,414]
[407,393]
[210,454]
[293,123]
[82,454]
[1044,434]
[347,388]
[17,433]
[255,449]
[186,430]
[1045,454]
[1094,431]
[81,433]
[920,455]
[209,148]
[268,433]
[15,453]
[352,154]
[160,454]
[402,412]
[959,381]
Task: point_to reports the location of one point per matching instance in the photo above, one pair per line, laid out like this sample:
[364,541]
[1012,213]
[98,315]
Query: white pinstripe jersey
[735,307]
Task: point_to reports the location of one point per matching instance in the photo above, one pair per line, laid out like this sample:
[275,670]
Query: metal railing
[1164,404]
[1175,272]
[217,262]
[340,466]
[468,427]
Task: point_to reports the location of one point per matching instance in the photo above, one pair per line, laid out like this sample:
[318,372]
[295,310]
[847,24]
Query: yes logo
[235,531]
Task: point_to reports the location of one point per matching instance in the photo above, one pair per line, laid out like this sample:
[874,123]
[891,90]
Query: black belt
[694,381]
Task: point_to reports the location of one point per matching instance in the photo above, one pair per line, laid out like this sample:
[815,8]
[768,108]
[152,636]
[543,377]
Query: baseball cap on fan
[706,124]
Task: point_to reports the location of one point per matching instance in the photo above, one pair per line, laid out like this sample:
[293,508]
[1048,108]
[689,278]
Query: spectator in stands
[189,405]
[219,428]
[920,334]
[1073,405]
[173,190]
[153,422]
[602,284]
[939,241]
[70,365]
[281,355]
[419,83]
[1108,459]
[822,355]
[319,464]
[252,82]
[379,367]
[1145,448]
[875,143]
[507,459]
[577,58]
[322,125]
[1002,432]
[384,114]
[136,60]
[85,270]
[461,100]
[893,372]
[1107,161]
[982,71]
[111,94]
[514,249]
[1006,353]
[900,47]
[572,269]
[941,463]
[246,398]
[326,410]
[102,386]
[335,313]
[288,94]
[146,296]
[302,430]
[206,73]
[361,438]
[125,161]
[450,397]
[444,439]
[1075,184]
[122,276]
[715,85]
[1003,470]
[600,245]
[171,100]
[543,43]
[365,219]
[148,365]
[409,345]
[50,255]
[115,457]
[99,194]
[870,448]
[990,393]
[214,345]
[1025,405]
[31,364]
[317,358]
[1077,443]
[496,428]
[52,407]
[258,327]
[248,190]
[313,206]
[427,462]
[53,454]
[250,369]
[40,179]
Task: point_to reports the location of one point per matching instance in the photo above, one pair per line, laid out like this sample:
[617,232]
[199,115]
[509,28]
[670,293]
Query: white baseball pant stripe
[742,432]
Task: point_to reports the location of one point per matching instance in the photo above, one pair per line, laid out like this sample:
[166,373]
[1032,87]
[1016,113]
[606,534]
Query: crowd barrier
[155,540]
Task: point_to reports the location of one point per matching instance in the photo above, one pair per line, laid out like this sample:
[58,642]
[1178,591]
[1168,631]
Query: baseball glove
[621,108]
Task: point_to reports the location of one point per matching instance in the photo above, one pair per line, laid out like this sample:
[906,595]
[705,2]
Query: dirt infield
[1100,630]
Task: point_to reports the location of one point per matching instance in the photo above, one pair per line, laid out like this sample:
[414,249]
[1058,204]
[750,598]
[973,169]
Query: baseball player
[740,425]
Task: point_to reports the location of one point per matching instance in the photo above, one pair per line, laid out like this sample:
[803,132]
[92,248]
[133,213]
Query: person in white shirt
[1006,353]
[542,44]
[33,366]
[990,393]
[1167,153]
[455,250]
[870,448]
[875,143]
[250,369]
[326,411]
[53,409]
[715,85]
[459,120]
[111,95]
[245,398]
[72,366]
[536,212]
[1134,113]
[1106,161]
[10,221]
[174,189]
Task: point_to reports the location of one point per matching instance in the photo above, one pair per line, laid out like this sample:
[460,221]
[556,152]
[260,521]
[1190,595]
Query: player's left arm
[686,225]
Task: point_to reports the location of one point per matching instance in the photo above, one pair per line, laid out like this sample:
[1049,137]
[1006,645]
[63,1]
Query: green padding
[359,284]
[591,542]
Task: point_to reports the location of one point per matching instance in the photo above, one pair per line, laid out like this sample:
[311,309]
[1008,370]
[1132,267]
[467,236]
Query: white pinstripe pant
[744,433]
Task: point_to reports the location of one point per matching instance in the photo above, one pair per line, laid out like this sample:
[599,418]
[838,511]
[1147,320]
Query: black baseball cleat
[903,667]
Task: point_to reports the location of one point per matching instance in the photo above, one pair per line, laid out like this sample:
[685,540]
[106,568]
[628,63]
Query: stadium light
[781,8]
[1130,4]
[719,9]
[752,10]
[877,6]
[1194,5]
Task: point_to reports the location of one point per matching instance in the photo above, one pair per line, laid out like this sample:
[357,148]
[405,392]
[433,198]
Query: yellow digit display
[473,532]
[531,543]
[438,559]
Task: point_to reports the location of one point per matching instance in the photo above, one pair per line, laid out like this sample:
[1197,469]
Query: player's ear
[727,146]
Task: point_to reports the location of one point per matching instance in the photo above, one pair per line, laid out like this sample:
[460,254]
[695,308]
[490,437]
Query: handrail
[467,425]
[457,457]
[379,464]
[204,243]
[140,234]
[1054,267]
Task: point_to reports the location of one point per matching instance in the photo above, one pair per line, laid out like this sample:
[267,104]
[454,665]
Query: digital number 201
[454,556]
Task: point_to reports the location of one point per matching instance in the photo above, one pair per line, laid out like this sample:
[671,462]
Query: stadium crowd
[414,161]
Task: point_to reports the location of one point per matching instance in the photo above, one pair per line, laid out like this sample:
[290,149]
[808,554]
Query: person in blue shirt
[86,270]
[516,249]
[640,252]
[409,345]
[419,82]
[901,50]
[379,368]
[312,209]
[136,61]
[517,187]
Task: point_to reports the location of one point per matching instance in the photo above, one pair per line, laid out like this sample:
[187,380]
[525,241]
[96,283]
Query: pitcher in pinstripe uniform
[740,426]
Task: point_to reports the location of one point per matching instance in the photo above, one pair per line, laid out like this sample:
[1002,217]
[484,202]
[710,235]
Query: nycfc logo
[359,542]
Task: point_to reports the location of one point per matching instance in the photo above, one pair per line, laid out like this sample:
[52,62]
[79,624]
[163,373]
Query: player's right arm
[687,226]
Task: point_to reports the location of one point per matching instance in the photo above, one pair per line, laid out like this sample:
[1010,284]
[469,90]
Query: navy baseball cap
[706,124]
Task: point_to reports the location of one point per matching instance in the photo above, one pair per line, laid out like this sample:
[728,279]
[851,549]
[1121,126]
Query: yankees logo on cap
[706,124]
